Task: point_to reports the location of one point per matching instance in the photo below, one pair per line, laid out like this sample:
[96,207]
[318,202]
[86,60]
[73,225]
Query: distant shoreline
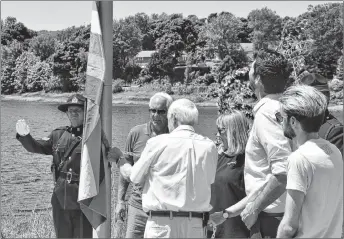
[122,98]
[117,99]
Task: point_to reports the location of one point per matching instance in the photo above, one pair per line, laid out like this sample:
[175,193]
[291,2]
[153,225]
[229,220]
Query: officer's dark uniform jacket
[57,143]
[332,130]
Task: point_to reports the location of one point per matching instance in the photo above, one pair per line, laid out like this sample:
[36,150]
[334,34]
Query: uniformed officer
[332,128]
[64,144]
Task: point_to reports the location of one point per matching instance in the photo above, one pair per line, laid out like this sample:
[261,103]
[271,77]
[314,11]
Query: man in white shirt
[314,203]
[177,170]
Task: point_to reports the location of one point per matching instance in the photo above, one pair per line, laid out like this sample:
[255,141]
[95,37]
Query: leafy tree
[127,39]
[43,46]
[13,30]
[173,36]
[8,64]
[144,23]
[69,64]
[23,63]
[244,33]
[266,25]
[325,28]
[131,71]
[211,17]
[221,35]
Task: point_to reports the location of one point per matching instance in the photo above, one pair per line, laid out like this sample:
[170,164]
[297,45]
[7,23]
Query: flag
[92,190]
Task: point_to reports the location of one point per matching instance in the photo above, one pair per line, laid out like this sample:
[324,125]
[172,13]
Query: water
[26,181]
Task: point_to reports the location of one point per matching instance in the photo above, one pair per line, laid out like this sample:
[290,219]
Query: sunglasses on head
[279,117]
[160,112]
[221,130]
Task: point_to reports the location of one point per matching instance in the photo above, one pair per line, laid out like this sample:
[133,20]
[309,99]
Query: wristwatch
[225,214]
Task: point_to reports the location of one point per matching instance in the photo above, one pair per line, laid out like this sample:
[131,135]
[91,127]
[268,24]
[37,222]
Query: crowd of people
[278,176]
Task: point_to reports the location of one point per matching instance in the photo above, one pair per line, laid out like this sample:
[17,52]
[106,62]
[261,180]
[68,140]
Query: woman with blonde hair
[228,188]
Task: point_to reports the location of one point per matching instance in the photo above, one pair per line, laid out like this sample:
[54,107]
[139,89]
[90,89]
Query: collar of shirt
[148,130]
[264,100]
[183,127]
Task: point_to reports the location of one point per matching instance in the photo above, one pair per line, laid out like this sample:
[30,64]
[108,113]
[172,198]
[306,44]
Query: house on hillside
[142,58]
[248,49]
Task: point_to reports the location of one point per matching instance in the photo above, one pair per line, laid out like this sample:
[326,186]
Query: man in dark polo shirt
[136,142]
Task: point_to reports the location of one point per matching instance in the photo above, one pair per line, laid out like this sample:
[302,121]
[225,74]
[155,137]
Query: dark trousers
[266,225]
[70,223]
[136,223]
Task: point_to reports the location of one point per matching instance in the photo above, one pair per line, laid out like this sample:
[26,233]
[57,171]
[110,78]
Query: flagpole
[106,19]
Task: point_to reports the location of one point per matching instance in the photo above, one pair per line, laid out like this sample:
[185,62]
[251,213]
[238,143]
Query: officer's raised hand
[22,127]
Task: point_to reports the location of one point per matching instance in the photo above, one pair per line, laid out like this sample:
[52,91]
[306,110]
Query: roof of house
[248,47]
[145,53]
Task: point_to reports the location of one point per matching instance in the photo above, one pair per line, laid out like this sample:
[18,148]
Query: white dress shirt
[267,150]
[177,170]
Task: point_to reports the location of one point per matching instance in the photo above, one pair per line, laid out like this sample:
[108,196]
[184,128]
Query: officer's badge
[74,100]
[56,147]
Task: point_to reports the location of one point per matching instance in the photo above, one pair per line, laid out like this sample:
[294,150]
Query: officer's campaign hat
[317,81]
[74,100]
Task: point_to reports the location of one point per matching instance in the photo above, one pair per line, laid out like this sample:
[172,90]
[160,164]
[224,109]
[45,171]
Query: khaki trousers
[176,227]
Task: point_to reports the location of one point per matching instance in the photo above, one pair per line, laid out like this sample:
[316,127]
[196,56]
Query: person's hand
[125,171]
[249,215]
[114,154]
[120,211]
[216,218]
[22,127]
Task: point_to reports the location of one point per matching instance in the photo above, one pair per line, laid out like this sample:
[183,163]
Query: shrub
[117,85]
[37,76]
[336,85]
[234,93]
[340,68]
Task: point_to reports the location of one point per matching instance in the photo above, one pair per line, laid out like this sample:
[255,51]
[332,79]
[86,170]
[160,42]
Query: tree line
[57,60]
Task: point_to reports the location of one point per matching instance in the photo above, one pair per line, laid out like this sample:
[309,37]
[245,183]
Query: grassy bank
[130,96]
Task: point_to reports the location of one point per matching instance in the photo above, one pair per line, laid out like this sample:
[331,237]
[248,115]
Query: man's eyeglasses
[160,112]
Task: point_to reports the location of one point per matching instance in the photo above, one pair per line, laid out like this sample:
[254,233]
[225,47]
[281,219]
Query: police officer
[64,144]
[332,128]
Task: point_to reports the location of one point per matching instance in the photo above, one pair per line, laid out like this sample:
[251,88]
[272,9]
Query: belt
[172,214]
[266,214]
[70,177]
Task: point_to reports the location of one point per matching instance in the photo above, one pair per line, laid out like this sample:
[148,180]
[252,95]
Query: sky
[58,15]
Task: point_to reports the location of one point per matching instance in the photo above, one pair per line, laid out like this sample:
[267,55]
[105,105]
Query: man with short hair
[332,128]
[64,144]
[135,143]
[314,203]
[177,170]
